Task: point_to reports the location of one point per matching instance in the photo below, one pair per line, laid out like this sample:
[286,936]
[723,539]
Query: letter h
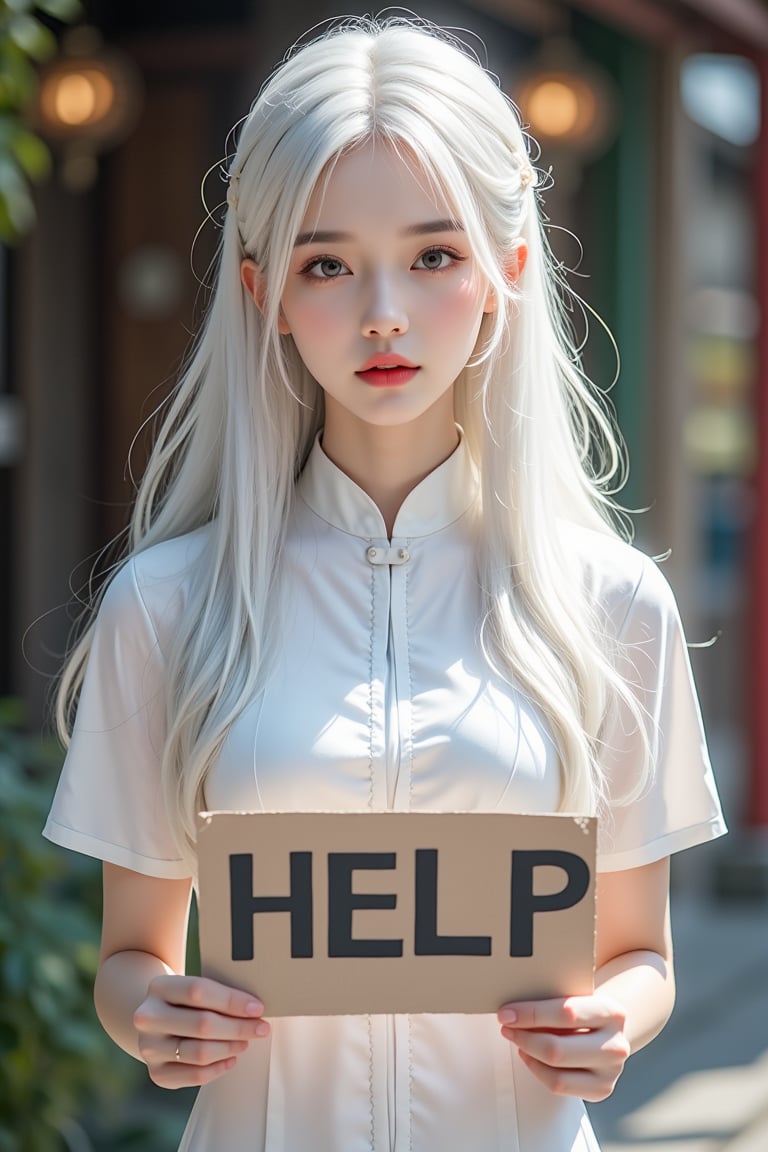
[244,905]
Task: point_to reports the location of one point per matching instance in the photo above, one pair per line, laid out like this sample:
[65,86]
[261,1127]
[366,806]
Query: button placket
[400,573]
[379,633]
[391,560]
[394,557]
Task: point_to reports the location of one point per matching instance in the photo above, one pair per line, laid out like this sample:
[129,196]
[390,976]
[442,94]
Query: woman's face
[382,274]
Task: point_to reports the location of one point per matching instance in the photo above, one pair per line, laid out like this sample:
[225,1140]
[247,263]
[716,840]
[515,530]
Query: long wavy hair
[245,411]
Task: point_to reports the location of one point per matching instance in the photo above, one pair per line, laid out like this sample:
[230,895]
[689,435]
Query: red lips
[386,360]
[387,370]
[387,377]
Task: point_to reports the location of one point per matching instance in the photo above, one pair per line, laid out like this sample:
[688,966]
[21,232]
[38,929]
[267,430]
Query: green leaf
[10,175]
[66,10]
[80,1037]
[10,233]
[53,971]
[9,1036]
[32,37]
[55,1061]
[17,212]
[46,1007]
[20,5]
[15,974]
[32,154]
[18,79]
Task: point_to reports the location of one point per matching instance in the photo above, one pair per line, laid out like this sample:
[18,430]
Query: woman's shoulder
[171,562]
[617,576]
[152,586]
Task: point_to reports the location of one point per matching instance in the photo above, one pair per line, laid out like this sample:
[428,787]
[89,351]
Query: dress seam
[513,1074]
[410,808]
[410,682]
[371,1102]
[410,1087]
[135,579]
[371,637]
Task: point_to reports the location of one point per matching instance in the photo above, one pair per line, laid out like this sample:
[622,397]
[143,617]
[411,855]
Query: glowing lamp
[88,100]
[77,99]
[566,101]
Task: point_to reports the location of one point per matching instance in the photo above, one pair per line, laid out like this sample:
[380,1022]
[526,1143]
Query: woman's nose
[385,313]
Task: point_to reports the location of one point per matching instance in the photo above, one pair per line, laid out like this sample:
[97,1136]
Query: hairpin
[233,191]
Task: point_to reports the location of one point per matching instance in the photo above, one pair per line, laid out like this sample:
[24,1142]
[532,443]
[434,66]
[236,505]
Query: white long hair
[242,420]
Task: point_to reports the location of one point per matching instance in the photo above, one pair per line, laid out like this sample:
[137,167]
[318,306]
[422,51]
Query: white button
[382,556]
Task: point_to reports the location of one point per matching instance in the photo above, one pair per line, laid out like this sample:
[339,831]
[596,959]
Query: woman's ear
[513,270]
[256,286]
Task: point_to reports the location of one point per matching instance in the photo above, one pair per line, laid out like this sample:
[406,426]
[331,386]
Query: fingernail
[262,1029]
[507,1016]
[254,1008]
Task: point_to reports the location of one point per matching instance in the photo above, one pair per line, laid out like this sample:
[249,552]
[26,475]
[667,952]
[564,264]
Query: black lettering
[427,942]
[244,905]
[525,905]
[342,902]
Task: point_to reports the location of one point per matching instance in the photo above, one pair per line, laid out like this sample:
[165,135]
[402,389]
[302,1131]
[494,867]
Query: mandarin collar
[440,499]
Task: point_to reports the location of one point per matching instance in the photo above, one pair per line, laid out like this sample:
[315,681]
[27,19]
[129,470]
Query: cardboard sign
[379,912]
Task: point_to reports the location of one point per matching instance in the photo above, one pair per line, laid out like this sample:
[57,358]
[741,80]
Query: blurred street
[702,1086]
[648,129]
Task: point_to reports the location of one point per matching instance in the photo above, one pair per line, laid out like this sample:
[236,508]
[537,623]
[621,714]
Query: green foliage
[24,158]
[55,1060]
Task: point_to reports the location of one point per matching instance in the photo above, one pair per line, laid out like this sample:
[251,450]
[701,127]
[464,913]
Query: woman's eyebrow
[333,237]
[430,226]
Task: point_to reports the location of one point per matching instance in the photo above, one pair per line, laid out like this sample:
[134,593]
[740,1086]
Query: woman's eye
[435,260]
[325,268]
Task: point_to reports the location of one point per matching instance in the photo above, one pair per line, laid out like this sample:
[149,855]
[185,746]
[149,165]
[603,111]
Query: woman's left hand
[575,1045]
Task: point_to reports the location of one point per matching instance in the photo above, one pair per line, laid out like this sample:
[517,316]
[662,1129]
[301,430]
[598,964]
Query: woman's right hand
[192,1029]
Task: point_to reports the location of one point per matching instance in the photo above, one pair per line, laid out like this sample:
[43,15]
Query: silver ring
[177,1055]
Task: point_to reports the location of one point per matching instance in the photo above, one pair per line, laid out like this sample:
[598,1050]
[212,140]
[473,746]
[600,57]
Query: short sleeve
[109,802]
[680,807]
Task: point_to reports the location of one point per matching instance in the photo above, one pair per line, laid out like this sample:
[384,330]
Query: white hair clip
[233,191]
[526,176]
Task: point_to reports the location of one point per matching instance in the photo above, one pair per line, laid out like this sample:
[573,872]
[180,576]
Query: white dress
[380,698]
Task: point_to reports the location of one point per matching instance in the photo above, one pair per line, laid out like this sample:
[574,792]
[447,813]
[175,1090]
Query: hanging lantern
[88,100]
[567,102]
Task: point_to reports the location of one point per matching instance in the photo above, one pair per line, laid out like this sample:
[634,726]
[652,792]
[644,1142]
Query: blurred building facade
[666,195]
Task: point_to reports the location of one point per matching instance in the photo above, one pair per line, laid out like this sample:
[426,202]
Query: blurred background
[651,116]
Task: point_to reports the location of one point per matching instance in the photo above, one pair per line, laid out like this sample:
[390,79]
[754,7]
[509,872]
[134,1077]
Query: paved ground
[702,1085]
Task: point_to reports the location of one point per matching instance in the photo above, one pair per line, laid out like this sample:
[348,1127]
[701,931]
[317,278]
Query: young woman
[373,566]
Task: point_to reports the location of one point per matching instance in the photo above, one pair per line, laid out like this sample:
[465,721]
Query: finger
[177,1075]
[202,992]
[580,1082]
[202,1053]
[560,1013]
[156,1021]
[572,1050]
[566,1013]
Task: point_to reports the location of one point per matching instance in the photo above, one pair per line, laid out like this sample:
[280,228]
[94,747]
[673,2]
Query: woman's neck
[389,462]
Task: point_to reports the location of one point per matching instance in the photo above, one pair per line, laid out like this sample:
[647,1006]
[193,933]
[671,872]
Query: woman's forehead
[375,179]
